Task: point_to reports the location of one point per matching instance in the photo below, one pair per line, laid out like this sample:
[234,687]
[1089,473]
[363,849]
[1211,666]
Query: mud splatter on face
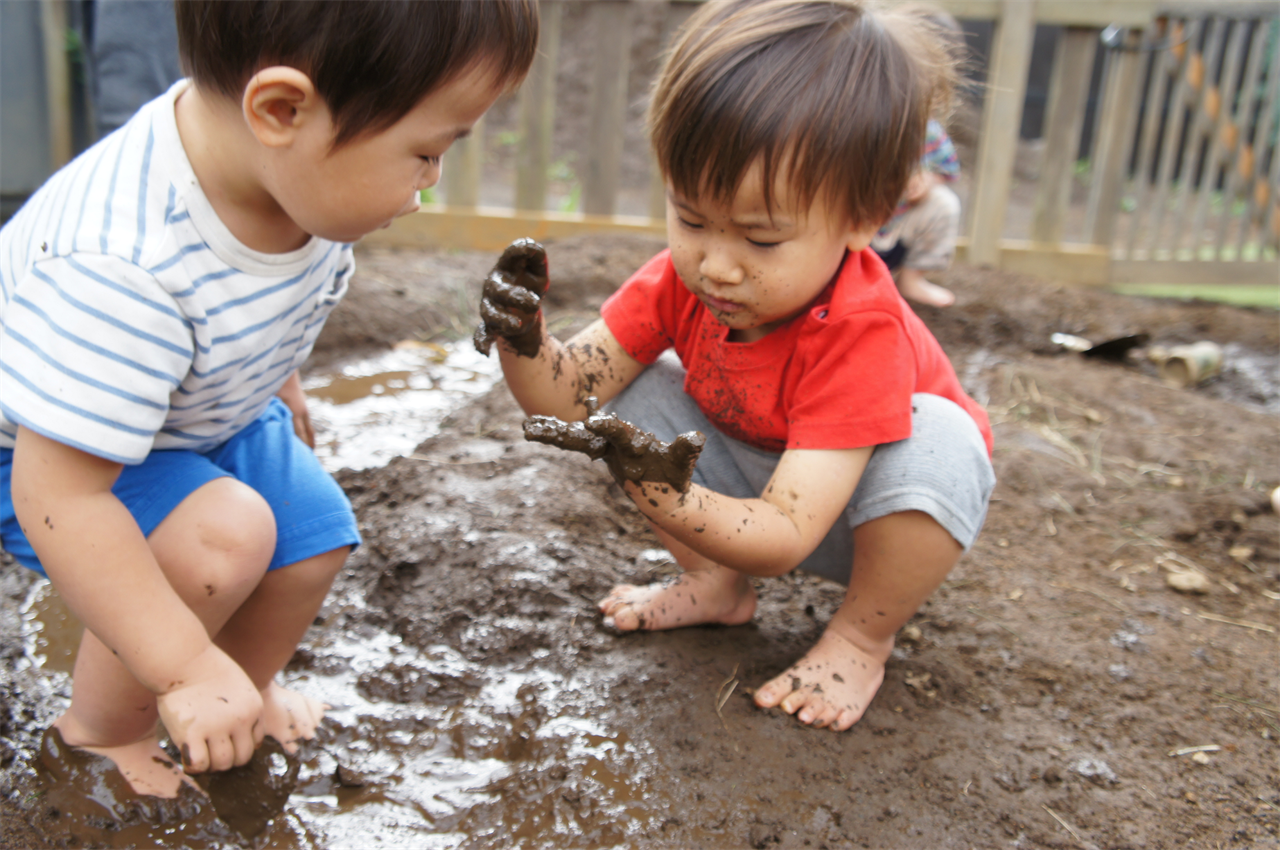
[511,301]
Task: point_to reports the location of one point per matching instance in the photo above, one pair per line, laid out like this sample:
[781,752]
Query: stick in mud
[630,453]
[511,301]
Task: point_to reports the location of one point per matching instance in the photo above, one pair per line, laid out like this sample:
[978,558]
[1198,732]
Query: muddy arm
[630,453]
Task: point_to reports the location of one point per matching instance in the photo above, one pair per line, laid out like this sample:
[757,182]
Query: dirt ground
[1045,697]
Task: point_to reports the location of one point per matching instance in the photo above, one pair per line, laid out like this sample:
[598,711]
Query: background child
[787,131]
[921,236]
[157,297]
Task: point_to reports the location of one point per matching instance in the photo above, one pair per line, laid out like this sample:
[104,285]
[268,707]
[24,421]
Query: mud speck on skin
[523,719]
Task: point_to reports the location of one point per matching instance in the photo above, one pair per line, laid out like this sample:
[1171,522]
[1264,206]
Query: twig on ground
[723,692]
[1267,708]
[1107,599]
[1066,826]
[1230,621]
[978,613]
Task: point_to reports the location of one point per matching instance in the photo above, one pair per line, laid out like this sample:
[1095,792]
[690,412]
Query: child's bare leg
[213,549]
[898,562]
[264,633]
[706,593]
[914,287]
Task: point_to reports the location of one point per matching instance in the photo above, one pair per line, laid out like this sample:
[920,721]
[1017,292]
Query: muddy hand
[630,453]
[511,301]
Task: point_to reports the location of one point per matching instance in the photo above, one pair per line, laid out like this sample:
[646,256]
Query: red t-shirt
[838,376]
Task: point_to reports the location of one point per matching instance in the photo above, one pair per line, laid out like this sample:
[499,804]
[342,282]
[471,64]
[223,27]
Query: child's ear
[278,102]
[859,237]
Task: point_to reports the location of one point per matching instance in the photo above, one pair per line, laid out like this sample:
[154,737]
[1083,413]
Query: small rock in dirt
[911,634]
[1188,581]
[1096,771]
[1120,673]
[1052,776]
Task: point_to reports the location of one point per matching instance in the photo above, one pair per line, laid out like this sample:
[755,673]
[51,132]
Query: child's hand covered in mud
[630,453]
[213,714]
[510,303]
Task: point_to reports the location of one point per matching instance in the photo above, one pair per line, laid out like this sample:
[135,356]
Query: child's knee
[222,536]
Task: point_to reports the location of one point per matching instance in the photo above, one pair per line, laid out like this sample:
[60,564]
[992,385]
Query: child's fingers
[242,745]
[499,321]
[222,753]
[195,755]
[501,291]
[526,260]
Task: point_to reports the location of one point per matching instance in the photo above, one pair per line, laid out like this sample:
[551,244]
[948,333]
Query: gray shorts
[942,469]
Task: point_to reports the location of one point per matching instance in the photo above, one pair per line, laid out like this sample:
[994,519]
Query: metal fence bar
[1237,129]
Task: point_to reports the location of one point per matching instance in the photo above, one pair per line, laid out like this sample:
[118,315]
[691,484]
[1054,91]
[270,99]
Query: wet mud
[629,453]
[1058,691]
[511,299]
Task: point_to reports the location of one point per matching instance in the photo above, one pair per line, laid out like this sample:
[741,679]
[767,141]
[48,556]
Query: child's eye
[689,224]
[430,160]
[759,244]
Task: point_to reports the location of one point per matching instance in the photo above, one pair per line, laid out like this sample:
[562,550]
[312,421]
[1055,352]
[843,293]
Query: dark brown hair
[371,61]
[836,92]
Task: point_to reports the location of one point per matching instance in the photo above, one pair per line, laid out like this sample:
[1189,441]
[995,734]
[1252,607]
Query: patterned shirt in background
[939,157]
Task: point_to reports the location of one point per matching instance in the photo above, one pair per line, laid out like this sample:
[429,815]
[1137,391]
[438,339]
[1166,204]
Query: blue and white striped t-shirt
[131,319]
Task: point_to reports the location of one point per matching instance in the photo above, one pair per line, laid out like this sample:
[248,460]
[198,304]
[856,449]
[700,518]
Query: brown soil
[1037,700]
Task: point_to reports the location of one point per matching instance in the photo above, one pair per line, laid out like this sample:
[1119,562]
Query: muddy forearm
[747,535]
[559,379]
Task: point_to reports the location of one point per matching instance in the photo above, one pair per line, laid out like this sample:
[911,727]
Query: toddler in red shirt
[832,434]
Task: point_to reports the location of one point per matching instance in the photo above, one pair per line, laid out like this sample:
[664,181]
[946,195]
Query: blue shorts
[312,514]
[942,469]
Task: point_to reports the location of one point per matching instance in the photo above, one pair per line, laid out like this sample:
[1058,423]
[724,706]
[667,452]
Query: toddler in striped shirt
[157,298]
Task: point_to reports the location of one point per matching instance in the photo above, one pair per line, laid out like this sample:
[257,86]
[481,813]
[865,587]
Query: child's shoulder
[113,204]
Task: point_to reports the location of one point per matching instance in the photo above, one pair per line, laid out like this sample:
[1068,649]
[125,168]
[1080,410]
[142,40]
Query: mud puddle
[421,748]
[372,410]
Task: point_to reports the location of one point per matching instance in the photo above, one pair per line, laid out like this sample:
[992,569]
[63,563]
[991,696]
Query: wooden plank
[1221,104]
[1239,128]
[1172,132]
[537,112]
[492,228]
[1212,52]
[1069,13]
[1001,118]
[1195,271]
[1119,111]
[677,13]
[462,176]
[1256,174]
[1162,62]
[57,76]
[1068,97]
[1067,262]
[608,105]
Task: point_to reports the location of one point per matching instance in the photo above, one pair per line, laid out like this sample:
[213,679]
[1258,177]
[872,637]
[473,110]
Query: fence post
[1068,97]
[537,112]
[53,27]
[608,105]
[1001,117]
[462,181]
[1119,112]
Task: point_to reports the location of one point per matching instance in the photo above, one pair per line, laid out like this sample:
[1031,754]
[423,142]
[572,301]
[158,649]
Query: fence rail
[1158,159]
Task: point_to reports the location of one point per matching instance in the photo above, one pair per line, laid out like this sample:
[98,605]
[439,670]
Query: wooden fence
[1178,182]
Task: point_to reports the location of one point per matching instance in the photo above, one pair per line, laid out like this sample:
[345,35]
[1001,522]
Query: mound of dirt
[1056,692]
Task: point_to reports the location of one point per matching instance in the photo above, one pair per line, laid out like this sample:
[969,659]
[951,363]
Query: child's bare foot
[145,766]
[289,716]
[702,596]
[832,685]
[916,288]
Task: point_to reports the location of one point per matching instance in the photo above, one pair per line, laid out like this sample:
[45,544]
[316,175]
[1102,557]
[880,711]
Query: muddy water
[375,409]
[419,749]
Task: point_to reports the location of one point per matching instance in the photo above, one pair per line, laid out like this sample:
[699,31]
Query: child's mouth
[719,305]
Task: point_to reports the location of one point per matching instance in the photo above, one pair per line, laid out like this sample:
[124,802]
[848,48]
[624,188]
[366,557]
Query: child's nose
[719,265]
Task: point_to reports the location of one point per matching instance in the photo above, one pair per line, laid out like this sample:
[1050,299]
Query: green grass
[1243,295]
